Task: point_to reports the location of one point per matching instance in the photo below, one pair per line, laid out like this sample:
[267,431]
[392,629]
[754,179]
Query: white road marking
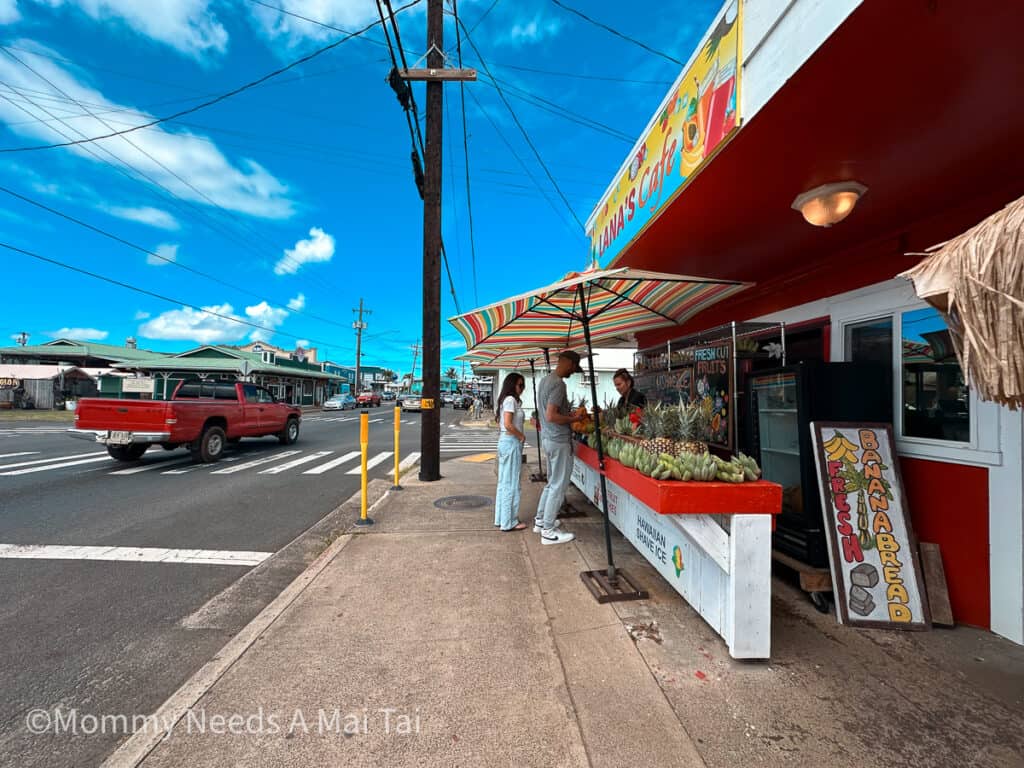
[155,464]
[254,463]
[23,453]
[194,467]
[132,554]
[47,467]
[408,421]
[376,421]
[371,463]
[296,463]
[52,458]
[331,464]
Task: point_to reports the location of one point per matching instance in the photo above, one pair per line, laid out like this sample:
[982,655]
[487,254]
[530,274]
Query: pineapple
[652,429]
[672,429]
[693,424]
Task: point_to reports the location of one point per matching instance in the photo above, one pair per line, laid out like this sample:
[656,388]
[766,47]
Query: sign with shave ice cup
[876,575]
[696,117]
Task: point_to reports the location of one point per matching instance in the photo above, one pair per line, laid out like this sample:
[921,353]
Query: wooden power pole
[360,326]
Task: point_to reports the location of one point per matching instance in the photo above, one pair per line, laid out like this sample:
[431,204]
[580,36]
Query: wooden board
[935,584]
[811,579]
[871,543]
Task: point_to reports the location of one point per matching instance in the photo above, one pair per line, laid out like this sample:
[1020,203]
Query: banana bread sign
[694,119]
[876,576]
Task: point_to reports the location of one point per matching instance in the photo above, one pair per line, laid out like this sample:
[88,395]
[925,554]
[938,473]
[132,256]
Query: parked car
[465,402]
[369,399]
[203,415]
[342,402]
[412,403]
[389,396]
[447,398]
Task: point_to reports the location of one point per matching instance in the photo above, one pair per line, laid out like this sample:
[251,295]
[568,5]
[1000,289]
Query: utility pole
[435,75]
[360,326]
[415,354]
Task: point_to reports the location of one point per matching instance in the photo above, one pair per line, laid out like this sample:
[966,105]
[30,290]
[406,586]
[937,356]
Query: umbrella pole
[540,476]
[612,585]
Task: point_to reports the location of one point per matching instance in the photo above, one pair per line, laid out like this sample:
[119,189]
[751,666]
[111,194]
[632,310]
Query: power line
[161,297]
[465,145]
[481,19]
[408,102]
[153,254]
[522,164]
[578,76]
[522,130]
[216,100]
[616,32]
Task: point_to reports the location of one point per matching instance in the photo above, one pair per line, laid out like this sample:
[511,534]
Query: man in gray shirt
[554,417]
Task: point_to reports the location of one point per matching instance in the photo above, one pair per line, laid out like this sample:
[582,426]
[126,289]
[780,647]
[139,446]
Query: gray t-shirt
[552,390]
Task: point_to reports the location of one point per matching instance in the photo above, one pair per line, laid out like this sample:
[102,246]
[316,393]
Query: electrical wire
[153,254]
[161,297]
[465,145]
[616,32]
[522,129]
[484,16]
[578,76]
[216,100]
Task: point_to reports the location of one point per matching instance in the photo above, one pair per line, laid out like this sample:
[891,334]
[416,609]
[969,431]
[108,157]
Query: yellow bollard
[364,445]
[398,429]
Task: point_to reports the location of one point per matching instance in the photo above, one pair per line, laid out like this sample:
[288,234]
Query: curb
[139,746]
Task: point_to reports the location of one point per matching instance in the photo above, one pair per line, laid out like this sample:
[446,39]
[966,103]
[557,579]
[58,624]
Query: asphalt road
[117,637]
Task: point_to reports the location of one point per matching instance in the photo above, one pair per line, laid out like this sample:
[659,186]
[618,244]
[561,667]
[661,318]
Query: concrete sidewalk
[432,639]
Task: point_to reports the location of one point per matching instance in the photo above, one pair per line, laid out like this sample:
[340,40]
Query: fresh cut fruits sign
[871,544]
[694,119]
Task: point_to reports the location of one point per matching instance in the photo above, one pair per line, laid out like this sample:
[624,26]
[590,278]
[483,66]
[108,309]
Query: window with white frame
[586,378]
[932,399]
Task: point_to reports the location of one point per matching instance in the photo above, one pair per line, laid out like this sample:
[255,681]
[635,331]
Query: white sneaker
[554,536]
[538,527]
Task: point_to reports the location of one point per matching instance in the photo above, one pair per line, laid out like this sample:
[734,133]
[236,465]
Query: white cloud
[188,26]
[9,11]
[344,14]
[303,343]
[243,186]
[79,334]
[453,345]
[187,324]
[533,31]
[318,248]
[140,315]
[298,303]
[169,253]
[154,217]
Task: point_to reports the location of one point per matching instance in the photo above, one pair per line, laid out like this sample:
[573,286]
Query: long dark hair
[508,387]
[623,374]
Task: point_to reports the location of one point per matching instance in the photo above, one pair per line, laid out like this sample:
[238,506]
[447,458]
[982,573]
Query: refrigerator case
[780,405]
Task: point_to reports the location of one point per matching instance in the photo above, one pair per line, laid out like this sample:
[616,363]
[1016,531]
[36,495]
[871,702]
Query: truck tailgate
[128,415]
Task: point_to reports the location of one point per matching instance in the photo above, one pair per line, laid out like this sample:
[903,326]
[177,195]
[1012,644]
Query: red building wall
[948,505]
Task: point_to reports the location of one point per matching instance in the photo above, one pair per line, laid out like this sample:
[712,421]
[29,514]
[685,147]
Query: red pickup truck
[203,415]
[370,399]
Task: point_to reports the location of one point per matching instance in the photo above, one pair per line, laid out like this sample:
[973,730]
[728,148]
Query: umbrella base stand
[537,477]
[568,510]
[605,591]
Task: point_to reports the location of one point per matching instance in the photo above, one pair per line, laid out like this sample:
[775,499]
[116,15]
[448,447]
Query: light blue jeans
[559,455]
[506,498]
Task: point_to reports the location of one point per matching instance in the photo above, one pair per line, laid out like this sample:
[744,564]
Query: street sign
[427,403]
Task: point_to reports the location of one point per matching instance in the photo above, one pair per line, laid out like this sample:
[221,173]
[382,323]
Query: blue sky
[297,197]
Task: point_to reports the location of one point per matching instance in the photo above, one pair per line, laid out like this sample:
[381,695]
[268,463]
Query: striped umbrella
[597,307]
[601,306]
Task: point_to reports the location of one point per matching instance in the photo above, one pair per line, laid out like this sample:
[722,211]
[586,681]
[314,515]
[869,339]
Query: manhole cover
[463,502]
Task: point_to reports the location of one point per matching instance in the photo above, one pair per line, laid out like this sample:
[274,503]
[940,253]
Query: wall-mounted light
[830,203]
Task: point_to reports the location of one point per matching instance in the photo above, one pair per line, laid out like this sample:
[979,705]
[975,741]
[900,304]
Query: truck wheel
[126,452]
[290,433]
[210,447]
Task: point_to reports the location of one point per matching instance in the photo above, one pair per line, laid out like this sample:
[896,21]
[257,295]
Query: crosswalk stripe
[154,464]
[331,464]
[371,463]
[47,467]
[375,421]
[296,463]
[132,554]
[12,455]
[52,458]
[196,467]
[254,463]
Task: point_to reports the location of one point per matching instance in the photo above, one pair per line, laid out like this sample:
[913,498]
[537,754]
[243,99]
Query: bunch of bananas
[751,471]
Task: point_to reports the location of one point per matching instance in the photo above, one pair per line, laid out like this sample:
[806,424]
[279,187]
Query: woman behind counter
[630,395]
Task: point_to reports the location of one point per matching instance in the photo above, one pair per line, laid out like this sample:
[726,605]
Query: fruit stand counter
[711,541]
